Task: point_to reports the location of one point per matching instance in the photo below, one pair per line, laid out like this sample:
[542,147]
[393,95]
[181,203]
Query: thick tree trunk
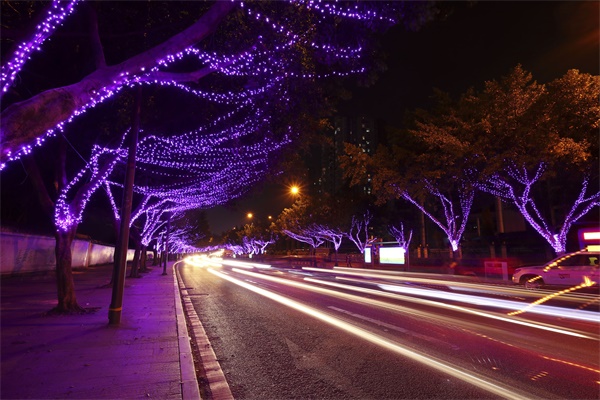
[67,302]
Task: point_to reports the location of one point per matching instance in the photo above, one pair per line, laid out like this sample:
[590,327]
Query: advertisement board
[392,255]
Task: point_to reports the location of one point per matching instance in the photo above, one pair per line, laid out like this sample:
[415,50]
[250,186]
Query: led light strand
[56,16]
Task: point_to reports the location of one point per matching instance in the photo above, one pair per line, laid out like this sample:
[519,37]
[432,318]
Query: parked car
[567,270]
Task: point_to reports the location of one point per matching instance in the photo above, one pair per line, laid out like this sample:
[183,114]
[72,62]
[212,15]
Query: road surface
[348,333]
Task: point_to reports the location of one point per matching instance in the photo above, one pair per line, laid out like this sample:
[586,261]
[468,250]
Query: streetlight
[249,215]
[295,190]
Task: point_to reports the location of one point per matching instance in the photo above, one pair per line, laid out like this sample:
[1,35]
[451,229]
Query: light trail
[546,327]
[529,307]
[478,381]
[406,310]
[203,260]
[451,284]
[244,264]
[519,307]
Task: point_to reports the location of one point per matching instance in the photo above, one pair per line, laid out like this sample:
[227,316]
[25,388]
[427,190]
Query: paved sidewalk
[80,356]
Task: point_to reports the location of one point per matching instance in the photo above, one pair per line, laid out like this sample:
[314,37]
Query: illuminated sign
[368,255]
[392,255]
[589,239]
[591,235]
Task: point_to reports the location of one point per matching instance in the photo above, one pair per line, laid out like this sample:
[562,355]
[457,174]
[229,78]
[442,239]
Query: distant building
[360,131]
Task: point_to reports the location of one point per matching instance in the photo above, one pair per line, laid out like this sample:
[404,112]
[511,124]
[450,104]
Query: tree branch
[25,121]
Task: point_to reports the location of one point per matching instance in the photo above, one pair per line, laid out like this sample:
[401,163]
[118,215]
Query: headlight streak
[399,276]
[204,260]
[201,261]
[438,365]
[546,327]
[454,285]
[406,310]
[496,303]
[243,264]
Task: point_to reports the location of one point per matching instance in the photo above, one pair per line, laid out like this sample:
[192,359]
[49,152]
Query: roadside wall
[21,253]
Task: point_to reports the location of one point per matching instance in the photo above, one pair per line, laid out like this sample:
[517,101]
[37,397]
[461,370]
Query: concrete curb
[189,382]
[217,383]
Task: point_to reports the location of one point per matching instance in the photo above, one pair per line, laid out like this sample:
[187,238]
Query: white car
[569,270]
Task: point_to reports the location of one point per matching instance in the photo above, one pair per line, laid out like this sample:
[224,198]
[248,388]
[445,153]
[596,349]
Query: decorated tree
[541,148]
[359,231]
[239,98]
[533,145]
[419,175]
[70,202]
[300,222]
[257,49]
[400,235]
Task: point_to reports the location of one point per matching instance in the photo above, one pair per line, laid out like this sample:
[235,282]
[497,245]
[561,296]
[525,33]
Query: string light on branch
[55,17]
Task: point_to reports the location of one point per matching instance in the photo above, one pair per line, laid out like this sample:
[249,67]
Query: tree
[541,148]
[82,187]
[255,82]
[299,222]
[533,145]
[400,236]
[359,231]
[421,176]
[252,44]
[256,237]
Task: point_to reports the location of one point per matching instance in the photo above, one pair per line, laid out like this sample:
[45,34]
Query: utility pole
[120,268]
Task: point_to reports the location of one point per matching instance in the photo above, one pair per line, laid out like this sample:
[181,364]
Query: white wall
[30,253]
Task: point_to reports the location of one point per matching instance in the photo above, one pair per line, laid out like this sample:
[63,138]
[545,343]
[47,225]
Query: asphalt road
[278,335]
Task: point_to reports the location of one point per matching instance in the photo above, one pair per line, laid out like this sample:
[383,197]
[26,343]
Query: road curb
[217,383]
[189,382]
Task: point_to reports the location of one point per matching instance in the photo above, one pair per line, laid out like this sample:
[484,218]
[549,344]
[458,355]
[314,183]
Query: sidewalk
[81,356]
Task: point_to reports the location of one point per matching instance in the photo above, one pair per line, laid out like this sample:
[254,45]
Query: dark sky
[473,44]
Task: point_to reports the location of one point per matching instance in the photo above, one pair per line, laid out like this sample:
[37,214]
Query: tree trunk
[67,302]
[135,264]
[336,257]
[155,257]
[144,260]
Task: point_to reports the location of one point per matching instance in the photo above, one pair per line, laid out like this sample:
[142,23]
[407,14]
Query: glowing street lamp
[249,215]
[295,190]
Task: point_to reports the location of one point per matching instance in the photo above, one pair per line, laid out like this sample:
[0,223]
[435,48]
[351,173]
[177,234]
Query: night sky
[473,44]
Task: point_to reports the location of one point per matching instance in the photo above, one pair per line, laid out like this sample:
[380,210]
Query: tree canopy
[533,145]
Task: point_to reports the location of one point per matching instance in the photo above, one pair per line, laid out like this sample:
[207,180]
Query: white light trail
[407,310]
[480,382]
[546,327]
[430,279]
[497,303]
